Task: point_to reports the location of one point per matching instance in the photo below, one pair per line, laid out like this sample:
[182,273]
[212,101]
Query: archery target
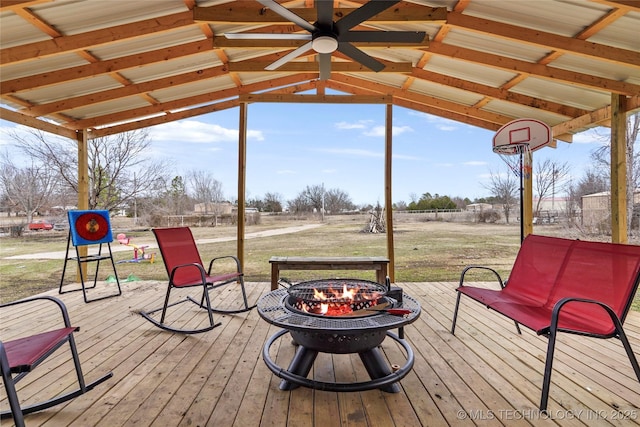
[90,227]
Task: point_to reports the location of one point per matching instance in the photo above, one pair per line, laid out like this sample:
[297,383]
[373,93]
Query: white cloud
[198,132]
[440,123]
[381,130]
[360,124]
[475,163]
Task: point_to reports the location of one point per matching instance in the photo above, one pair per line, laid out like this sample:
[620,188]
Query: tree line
[122,177]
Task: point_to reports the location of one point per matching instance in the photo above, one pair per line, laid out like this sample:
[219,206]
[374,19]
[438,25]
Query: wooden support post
[83,188]
[527,206]
[618,169]
[242,175]
[388,208]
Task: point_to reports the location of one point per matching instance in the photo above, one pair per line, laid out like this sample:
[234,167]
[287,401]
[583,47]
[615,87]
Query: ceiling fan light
[325,44]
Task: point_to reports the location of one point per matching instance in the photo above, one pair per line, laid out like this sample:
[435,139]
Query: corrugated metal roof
[488,61]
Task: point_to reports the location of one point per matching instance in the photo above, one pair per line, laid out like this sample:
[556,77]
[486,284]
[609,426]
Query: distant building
[212,208]
[478,207]
[596,208]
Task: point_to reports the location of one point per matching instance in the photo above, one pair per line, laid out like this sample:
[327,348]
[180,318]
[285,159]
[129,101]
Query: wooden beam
[618,169]
[244,12]
[539,70]
[338,67]
[527,198]
[222,42]
[179,104]
[82,138]
[166,118]
[317,99]
[423,99]
[388,185]
[34,123]
[242,176]
[544,39]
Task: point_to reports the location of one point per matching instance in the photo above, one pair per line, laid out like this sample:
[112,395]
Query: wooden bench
[278,263]
[560,285]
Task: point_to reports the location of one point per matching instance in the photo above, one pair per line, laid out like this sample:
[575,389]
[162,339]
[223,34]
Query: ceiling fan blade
[384,36]
[287,14]
[325,12]
[325,65]
[361,14]
[266,36]
[357,55]
[289,56]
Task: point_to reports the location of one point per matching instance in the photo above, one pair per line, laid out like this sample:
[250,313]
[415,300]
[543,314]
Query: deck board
[486,372]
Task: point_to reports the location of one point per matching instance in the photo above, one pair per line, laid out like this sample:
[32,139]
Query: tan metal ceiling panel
[81,16]
[565,17]
[519,111]
[13,32]
[105,108]
[154,41]
[41,65]
[142,57]
[193,89]
[171,68]
[618,33]
[445,92]
[491,44]
[73,88]
[574,96]
[469,71]
[579,64]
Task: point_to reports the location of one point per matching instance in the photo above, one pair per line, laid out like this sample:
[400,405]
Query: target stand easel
[89,228]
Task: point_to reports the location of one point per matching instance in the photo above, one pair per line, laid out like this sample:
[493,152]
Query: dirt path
[122,248]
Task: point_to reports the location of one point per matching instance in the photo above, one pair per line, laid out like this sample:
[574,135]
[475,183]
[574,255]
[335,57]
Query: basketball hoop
[514,155]
[515,141]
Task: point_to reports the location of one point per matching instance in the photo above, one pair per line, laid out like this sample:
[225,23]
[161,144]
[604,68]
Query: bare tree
[337,200]
[549,176]
[504,187]
[118,169]
[27,189]
[273,202]
[204,188]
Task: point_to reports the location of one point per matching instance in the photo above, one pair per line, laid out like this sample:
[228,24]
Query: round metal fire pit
[339,335]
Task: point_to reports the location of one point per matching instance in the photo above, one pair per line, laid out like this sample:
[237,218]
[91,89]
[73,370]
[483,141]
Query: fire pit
[358,324]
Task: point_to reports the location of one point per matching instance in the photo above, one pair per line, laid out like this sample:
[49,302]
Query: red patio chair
[20,356]
[185,269]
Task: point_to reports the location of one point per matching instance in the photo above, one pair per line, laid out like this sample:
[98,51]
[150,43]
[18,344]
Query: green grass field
[425,251]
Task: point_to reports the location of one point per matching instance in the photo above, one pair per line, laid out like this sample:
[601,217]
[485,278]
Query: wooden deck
[484,375]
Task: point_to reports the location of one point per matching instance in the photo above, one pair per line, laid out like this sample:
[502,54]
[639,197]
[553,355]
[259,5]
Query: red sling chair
[20,356]
[185,269]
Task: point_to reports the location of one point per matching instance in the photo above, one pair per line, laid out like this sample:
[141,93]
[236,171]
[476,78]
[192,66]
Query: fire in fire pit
[335,297]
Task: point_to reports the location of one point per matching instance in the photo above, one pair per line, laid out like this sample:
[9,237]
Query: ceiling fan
[326,36]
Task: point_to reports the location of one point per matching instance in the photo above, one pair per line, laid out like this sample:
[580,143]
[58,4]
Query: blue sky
[291,146]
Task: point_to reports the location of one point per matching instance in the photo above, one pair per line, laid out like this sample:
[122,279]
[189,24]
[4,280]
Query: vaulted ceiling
[116,65]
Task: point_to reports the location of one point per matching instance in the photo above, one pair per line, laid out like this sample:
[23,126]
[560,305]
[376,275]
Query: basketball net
[517,157]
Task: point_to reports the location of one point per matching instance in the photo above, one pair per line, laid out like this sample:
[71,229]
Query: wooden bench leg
[381,275]
[275,276]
